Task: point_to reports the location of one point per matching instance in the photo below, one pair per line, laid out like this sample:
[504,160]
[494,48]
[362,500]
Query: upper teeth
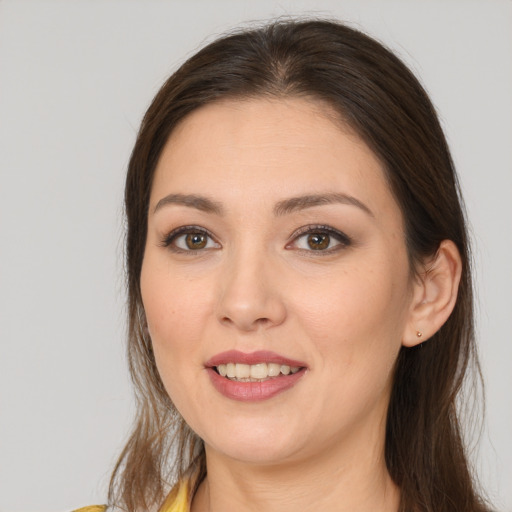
[255,371]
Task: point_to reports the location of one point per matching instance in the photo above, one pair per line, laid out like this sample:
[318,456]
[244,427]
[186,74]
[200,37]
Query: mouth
[259,372]
[253,377]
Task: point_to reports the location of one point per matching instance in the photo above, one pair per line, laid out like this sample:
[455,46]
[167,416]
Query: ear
[434,295]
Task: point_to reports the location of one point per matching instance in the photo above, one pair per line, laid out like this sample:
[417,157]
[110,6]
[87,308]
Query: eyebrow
[192,201]
[293,204]
[281,208]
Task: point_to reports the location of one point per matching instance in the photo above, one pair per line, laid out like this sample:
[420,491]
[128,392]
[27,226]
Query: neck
[356,480]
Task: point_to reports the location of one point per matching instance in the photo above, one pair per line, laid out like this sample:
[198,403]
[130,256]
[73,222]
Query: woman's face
[275,252]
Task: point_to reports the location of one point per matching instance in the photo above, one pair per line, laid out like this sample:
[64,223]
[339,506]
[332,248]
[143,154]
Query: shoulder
[177,501]
[92,508]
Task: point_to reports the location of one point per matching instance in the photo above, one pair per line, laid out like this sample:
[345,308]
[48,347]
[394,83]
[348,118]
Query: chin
[260,444]
[256,453]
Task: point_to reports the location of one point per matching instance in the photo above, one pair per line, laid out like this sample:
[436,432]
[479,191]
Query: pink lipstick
[255,376]
[260,356]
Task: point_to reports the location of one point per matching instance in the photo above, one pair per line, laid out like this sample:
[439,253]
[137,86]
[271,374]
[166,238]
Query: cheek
[176,313]
[355,323]
[352,306]
[174,305]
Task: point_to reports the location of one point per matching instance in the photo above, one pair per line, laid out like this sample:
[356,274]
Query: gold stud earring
[419,334]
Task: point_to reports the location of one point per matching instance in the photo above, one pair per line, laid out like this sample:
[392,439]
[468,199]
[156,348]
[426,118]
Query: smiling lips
[253,377]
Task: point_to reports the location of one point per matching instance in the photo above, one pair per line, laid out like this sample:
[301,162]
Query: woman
[299,285]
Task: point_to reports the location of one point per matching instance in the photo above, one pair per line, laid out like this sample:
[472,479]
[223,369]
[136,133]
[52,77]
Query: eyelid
[168,239]
[343,239]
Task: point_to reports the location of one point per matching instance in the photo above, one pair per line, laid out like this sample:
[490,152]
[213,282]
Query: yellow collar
[178,499]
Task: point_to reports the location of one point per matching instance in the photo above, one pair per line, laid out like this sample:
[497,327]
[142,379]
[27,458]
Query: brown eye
[318,241]
[195,241]
[190,239]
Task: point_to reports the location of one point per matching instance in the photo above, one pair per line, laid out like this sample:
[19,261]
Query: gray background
[75,79]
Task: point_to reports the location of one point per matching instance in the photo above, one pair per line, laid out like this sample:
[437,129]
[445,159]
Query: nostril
[248,324]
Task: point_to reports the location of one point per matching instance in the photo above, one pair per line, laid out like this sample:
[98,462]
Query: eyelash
[170,239]
[343,240]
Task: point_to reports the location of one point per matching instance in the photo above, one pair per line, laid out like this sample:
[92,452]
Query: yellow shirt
[177,503]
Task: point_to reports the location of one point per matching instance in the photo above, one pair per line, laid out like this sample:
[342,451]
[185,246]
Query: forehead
[269,147]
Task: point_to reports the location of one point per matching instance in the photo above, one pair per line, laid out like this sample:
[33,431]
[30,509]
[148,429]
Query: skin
[257,285]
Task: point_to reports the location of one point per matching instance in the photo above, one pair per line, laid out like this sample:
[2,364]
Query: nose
[250,295]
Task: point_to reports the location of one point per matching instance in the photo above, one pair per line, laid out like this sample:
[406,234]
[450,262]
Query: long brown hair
[374,93]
